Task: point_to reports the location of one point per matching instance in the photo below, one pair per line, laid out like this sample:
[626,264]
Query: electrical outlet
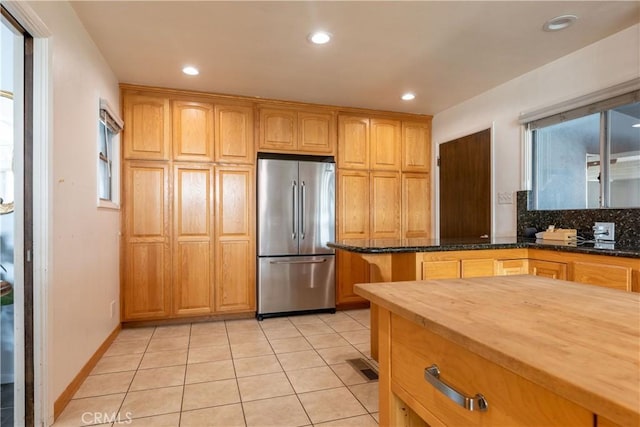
[604,231]
[505,198]
[113,308]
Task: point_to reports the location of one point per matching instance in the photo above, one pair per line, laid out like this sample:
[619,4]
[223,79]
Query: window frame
[109,124]
[602,101]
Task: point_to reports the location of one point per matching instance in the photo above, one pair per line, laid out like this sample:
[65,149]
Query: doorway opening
[16,219]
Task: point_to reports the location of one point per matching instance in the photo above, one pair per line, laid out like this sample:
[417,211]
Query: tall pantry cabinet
[188,209]
[383,189]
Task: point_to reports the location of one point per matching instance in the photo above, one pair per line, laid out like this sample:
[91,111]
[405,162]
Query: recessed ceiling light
[191,71]
[408,97]
[559,23]
[637,125]
[319,37]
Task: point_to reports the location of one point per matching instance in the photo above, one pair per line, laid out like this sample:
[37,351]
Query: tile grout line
[136,372]
[235,374]
[184,377]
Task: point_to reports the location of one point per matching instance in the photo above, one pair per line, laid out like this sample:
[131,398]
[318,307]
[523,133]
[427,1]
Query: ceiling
[443,51]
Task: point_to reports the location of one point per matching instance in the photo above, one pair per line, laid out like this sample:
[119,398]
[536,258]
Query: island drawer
[512,399]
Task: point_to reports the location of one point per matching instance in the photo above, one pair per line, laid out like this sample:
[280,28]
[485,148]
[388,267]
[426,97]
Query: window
[109,127]
[587,157]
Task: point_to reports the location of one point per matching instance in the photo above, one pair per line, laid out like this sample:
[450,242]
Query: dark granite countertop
[383,246]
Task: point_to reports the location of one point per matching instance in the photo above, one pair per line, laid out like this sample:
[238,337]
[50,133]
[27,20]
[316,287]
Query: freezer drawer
[300,283]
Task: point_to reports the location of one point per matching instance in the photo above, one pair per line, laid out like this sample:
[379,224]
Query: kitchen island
[386,260]
[525,350]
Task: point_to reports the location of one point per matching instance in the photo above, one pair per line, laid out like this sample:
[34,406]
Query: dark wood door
[465,186]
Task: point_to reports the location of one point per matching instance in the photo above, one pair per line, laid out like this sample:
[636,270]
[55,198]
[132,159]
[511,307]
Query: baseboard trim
[65,397]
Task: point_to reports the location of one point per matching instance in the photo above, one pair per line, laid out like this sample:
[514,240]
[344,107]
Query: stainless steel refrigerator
[296,219]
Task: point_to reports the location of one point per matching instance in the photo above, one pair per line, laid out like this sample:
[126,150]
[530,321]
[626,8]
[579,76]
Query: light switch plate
[505,198]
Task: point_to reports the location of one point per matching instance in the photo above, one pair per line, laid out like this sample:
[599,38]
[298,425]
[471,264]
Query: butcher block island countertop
[576,345]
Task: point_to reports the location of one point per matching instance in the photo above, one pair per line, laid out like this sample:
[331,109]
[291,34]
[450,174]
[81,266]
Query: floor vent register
[367,368]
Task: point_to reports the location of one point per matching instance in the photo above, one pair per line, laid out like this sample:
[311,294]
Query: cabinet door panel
[441,270]
[193,198]
[353,204]
[316,132]
[510,267]
[610,276]
[147,269]
[353,142]
[234,134]
[234,194]
[146,199]
[385,145]
[146,288]
[278,130]
[192,131]
[385,205]
[193,238]
[416,147]
[235,285]
[477,267]
[416,205]
[146,134]
[192,287]
[552,270]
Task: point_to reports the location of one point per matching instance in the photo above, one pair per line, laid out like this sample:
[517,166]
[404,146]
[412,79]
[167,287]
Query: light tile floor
[288,371]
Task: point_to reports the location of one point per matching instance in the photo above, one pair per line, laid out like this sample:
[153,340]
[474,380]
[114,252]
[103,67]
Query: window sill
[107,204]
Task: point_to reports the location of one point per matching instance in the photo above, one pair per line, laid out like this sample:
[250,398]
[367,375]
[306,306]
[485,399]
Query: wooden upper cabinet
[416,146]
[353,142]
[193,266]
[297,131]
[278,130]
[386,146]
[192,131]
[316,132]
[146,134]
[385,205]
[234,134]
[353,204]
[235,239]
[416,205]
[146,251]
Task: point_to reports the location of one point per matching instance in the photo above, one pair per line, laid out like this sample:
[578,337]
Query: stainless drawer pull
[476,403]
[315,261]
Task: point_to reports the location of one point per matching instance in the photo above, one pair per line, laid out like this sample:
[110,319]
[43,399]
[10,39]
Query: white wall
[84,267]
[605,63]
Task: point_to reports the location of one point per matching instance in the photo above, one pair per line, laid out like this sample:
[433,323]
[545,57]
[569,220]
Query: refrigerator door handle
[317,261]
[303,192]
[294,202]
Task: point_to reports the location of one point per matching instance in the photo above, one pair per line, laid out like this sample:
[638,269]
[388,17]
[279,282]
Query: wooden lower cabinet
[235,239]
[351,269]
[200,259]
[193,264]
[477,267]
[512,399]
[441,269]
[507,267]
[550,269]
[146,245]
[611,276]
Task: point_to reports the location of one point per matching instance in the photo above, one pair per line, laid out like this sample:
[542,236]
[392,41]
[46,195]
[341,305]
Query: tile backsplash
[627,221]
